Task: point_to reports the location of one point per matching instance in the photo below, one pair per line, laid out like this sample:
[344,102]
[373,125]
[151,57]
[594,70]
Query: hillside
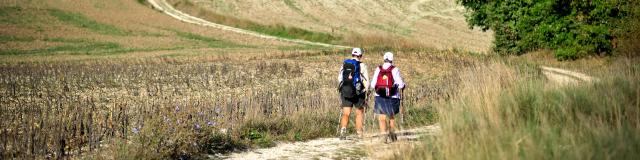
[95,27]
[427,23]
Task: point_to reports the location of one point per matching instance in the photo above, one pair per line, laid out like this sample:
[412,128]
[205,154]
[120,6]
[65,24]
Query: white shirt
[364,74]
[396,78]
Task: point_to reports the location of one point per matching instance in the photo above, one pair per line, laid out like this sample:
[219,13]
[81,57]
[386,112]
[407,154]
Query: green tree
[573,28]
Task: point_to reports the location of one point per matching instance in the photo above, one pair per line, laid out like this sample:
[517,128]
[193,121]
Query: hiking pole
[402,109]
[364,114]
[339,122]
[364,117]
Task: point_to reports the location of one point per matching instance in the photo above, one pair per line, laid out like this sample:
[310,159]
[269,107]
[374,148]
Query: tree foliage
[573,28]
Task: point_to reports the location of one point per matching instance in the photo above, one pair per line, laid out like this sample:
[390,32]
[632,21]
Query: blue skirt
[388,106]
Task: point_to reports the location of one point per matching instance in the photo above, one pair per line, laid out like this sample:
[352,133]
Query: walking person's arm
[364,71]
[400,82]
[340,77]
[340,74]
[397,78]
[374,78]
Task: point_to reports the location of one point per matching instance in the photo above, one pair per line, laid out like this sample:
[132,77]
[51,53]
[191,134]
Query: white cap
[388,56]
[356,52]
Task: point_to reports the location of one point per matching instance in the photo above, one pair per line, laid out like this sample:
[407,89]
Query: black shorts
[357,101]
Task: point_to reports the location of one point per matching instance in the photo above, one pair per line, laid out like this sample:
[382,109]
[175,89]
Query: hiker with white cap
[354,83]
[387,82]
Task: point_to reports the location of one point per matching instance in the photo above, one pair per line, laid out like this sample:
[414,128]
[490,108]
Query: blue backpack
[351,85]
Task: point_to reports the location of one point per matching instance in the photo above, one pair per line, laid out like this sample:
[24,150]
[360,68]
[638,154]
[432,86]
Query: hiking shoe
[393,136]
[343,134]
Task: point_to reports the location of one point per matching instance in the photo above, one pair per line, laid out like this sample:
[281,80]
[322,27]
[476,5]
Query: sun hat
[388,56]
[356,52]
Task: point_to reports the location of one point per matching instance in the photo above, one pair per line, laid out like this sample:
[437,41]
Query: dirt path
[418,13]
[166,8]
[564,77]
[371,147]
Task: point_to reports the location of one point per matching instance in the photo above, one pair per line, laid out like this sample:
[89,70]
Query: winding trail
[565,77]
[166,8]
[418,13]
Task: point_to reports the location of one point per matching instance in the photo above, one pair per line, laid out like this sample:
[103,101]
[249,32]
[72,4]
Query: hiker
[387,83]
[354,83]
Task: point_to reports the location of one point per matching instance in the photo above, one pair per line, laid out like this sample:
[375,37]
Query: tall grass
[504,111]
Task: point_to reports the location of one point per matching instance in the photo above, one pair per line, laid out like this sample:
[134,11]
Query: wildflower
[197,126]
[210,123]
[135,130]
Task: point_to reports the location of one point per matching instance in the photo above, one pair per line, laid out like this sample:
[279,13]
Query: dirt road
[370,147]
[564,77]
[166,8]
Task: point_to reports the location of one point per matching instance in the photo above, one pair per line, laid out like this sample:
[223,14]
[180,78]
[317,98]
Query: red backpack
[384,83]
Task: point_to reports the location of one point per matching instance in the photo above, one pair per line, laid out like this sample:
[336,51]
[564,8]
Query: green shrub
[573,28]
[293,128]
[177,134]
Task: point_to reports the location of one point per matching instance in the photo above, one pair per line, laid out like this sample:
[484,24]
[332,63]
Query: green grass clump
[143,2]
[14,15]
[211,42]
[82,21]
[72,47]
[8,38]
[291,32]
[294,128]
[75,48]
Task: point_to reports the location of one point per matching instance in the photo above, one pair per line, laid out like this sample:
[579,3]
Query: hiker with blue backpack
[354,83]
[387,84]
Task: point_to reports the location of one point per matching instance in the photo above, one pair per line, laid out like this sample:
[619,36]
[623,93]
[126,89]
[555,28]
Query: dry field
[55,108]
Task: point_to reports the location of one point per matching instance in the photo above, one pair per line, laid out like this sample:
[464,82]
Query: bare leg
[346,111]
[392,123]
[382,118]
[392,128]
[359,114]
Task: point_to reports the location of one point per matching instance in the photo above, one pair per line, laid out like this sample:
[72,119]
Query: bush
[177,134]
[573,28]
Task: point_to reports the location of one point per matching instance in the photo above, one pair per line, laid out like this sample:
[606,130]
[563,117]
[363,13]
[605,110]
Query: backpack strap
[388,69]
